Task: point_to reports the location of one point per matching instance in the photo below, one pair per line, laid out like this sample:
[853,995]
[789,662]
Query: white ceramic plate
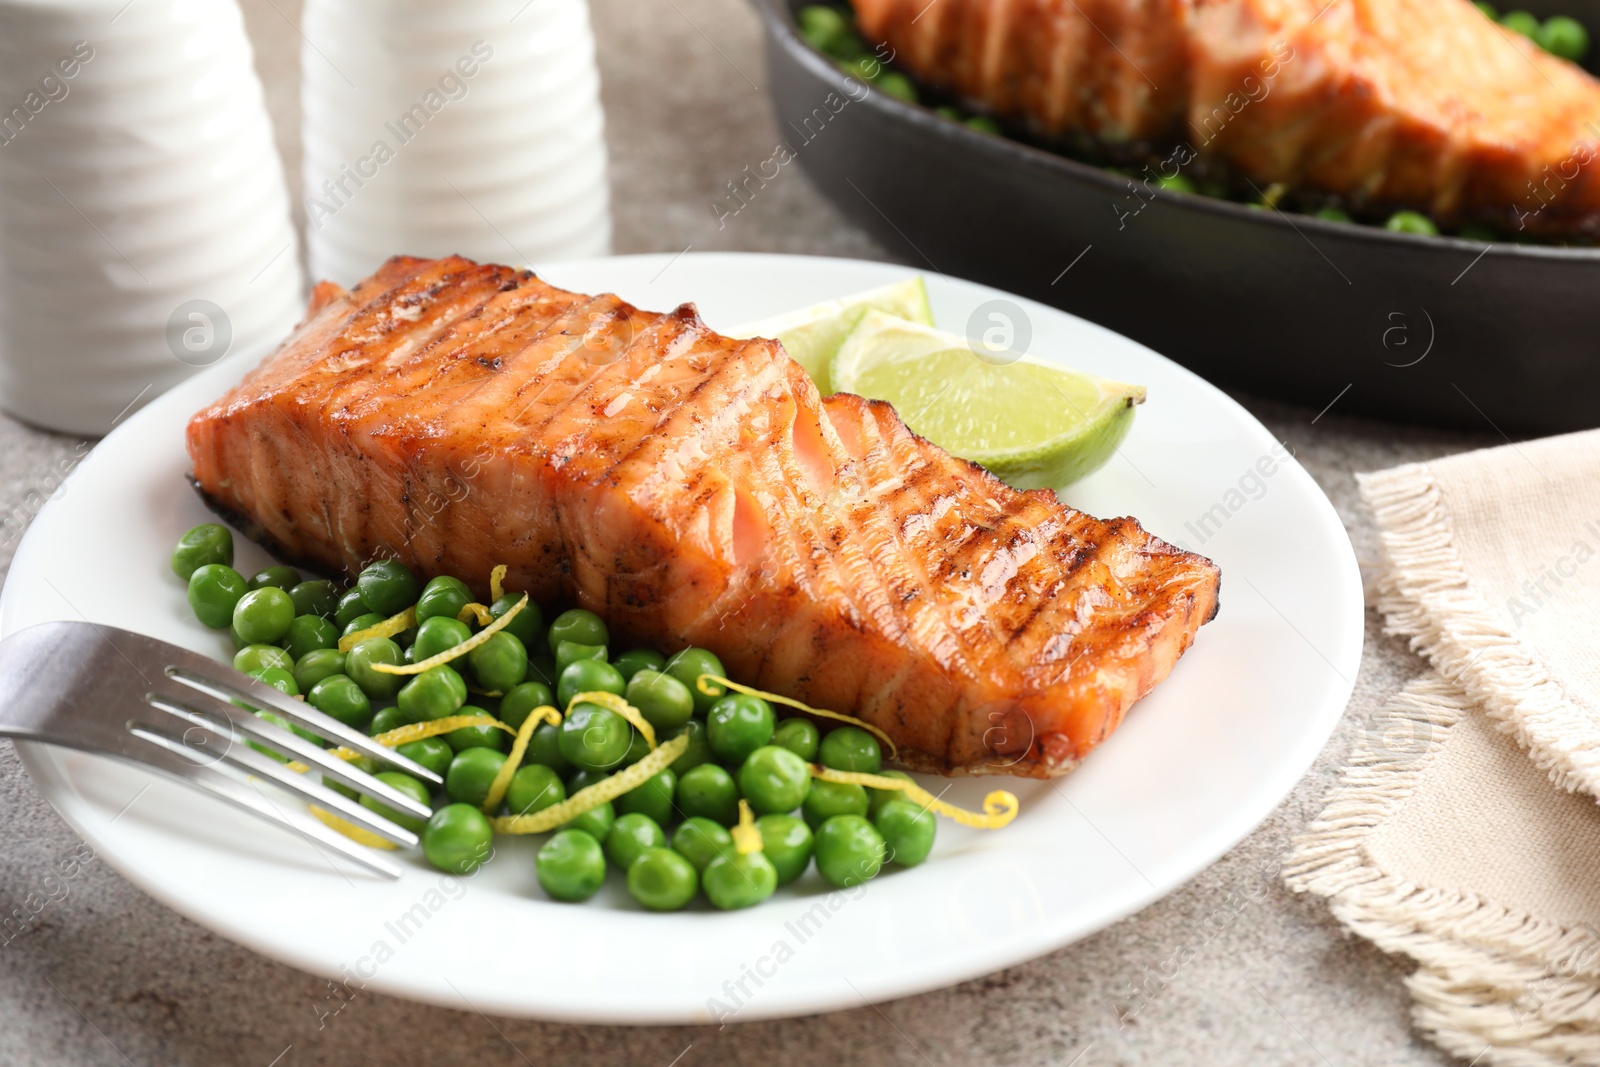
[1194,768]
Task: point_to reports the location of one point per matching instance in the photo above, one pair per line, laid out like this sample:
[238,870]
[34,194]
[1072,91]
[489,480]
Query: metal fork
[117,693]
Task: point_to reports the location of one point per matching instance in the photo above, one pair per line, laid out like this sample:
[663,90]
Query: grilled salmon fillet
[696,490]
[1421,104]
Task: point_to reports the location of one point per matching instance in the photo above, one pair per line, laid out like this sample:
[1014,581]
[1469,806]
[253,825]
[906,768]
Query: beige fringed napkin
[1466,830]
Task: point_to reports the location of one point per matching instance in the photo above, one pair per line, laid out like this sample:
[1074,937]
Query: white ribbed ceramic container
[471,127]
[144,225]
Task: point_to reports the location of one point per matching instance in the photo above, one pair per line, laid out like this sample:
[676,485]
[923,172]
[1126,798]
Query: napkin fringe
[1424,595]
[1470,950]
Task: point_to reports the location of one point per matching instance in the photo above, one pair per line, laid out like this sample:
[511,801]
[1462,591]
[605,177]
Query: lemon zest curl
[1000,806]
[821,713]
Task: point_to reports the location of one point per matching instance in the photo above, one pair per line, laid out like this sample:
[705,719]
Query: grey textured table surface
[108,976]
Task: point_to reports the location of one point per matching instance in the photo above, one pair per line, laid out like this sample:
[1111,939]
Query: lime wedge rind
[1031,423]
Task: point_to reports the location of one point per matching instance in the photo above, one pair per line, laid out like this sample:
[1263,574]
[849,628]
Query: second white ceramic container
[472,127]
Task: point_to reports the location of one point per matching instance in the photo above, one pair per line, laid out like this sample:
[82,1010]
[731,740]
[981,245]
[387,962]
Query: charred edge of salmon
[254,531]
[1156,541]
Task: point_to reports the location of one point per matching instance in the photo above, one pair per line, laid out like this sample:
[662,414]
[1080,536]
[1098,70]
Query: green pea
[521,700]
[570,866]
[527,625]
[458,839]
[203,545]
[829,799]
[734,880]
[309,632]
[709,791]
[898,86]
[386,719]
[665,702]
[799,736]
[737,725]
[630,836]
[436,693]
[214,591]
[635,660]
[1520,22]
[499,663]
[825,28]
[700,840]
[429,752]
[662,880]
[283,682]
[945,111]
[363,622]
[580,627]
[408,785]
[1412,222]
[544,746]
[470,774]
[351,607]
[699,750]
[315,597]
[443,598]
[1333,214]
[317,664]
[849,850]
[596,822]
[253,658]
[594,738]
[285,578]
[774,779]
[438,634]
[787,842]
[570,652]
[1563,36]
[907,830]
[361,661]
[877,798]
[687,667]
[238,642]
[983,124]
[1177,183]
[484,736]
[542,668]
[866,67]
[340,697]
[534,788]
[588,676]
[388,587]
[653,797]
[850,748]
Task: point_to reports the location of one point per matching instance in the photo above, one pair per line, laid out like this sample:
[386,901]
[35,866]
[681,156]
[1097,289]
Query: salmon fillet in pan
[1422,104]
[695,489]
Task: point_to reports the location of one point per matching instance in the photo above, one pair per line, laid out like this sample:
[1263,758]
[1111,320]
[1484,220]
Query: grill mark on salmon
[695,489]
[1422,104]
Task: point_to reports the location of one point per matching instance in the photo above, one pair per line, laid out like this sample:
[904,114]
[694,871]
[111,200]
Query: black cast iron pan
[1417,329]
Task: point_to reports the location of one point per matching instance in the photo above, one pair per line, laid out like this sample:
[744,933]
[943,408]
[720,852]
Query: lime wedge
[1031,424]
[812,335]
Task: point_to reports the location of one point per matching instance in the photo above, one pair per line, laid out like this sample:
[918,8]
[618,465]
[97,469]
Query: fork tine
[285,742]
[226,787]
[251,691]
[241,755]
